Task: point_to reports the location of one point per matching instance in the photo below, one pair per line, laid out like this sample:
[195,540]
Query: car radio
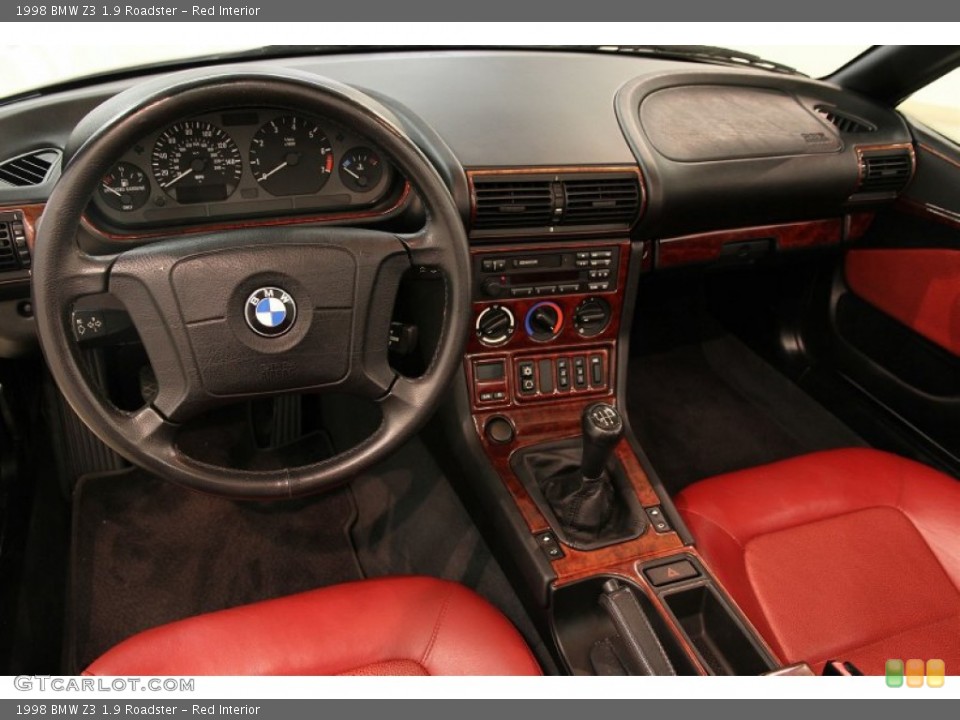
[499,275]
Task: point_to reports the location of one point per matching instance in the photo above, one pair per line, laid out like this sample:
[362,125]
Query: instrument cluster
[242,163]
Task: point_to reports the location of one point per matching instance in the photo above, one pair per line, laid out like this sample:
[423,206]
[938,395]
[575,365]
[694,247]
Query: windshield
[30,67]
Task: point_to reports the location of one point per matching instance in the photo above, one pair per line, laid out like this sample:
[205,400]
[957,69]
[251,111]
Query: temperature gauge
[125,187]
[361,169]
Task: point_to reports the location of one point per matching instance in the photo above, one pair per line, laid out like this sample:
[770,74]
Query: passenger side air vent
[601,202]
[513,204]
[29,169]
[884,172]
[845,122]
[555,203]
[14,254]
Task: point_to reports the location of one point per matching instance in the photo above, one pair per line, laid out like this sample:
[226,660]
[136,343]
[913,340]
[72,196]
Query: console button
[493,265]
[596,370]
[521,291]
[573,287]
[674,572]
[580,372]
[526,379]
[563,374]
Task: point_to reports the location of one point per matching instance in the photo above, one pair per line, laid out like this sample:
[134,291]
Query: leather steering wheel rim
[64,273]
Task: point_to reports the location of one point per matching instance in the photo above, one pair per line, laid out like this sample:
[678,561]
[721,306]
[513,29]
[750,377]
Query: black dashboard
[534,146]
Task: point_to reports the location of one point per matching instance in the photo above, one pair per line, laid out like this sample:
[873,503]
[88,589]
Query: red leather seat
[847,554]
[390,626]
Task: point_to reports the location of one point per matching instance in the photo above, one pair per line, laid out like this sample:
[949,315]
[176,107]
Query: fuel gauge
[361,169]
[125,187]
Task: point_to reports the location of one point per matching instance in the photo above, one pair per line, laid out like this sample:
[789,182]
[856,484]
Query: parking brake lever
[645,653]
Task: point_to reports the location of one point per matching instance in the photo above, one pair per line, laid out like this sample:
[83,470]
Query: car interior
[480,361]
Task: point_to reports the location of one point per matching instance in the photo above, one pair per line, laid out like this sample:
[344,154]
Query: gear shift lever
[602,430]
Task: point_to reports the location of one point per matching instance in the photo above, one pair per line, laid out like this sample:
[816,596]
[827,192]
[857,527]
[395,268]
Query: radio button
[568,288]
[521,291]
[582,263]
[546,290]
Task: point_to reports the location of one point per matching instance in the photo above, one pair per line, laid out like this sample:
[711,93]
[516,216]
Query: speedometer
[196,162]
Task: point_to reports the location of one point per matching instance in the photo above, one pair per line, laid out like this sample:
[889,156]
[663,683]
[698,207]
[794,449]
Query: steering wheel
[330,291]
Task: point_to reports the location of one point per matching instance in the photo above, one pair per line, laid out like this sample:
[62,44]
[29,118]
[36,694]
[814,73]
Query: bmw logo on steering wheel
[270,311]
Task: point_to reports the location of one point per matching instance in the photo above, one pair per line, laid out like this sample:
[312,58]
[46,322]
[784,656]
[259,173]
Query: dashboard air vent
[845,122]
[601,202]
[14,254]
[513,204]
[29,169]
[885,172]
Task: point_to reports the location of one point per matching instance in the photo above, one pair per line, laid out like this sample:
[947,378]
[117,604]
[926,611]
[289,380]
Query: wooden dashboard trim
[240,224]
[923,147]
[707,247]
[555,171]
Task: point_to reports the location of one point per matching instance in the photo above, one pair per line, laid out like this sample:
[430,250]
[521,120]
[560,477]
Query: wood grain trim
[561,420]
[939,155]
[856,225]
[317,218]
[31,216]
[707,247]
[556,172]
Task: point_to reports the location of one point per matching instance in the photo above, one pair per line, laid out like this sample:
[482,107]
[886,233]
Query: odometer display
[291,155]
[196,162]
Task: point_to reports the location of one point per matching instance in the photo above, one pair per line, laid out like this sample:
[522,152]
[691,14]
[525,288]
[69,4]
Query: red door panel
[918,287]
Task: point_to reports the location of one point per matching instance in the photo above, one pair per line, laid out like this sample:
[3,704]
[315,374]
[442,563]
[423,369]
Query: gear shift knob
[602,430]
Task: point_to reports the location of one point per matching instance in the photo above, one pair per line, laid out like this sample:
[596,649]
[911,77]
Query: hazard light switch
[674,572]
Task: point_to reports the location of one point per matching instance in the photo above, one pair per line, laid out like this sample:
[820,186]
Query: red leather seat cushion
[847,554]
[389,626]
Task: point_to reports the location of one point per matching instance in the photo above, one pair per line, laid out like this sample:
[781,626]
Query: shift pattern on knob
[602,428]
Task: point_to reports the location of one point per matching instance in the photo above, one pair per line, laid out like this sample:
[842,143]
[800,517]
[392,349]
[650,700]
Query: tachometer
[291,155]
[125,187]
[195,162]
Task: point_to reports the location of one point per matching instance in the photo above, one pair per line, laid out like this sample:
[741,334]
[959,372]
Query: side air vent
[844,122]
[14,254]
[884,172]
[555,203]
[601,202]
[29,169]
[513,204]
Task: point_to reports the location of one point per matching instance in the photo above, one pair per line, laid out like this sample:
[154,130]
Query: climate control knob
[495,325]
[591,317]
[544,321]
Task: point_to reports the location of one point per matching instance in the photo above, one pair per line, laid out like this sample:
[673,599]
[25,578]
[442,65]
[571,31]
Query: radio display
[561,276]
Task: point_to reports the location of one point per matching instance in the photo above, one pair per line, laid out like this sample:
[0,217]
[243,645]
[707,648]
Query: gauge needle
[113,190]
[350,172]
[279,167]
[179,177]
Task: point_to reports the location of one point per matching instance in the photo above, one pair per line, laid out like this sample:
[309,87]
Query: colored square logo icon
[936,670]
[915,672]
[894,672]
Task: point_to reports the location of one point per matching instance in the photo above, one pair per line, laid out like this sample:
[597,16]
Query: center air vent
[844,122]
[513,204]
[30,169]
[601,202]
[555,203]
[885,172]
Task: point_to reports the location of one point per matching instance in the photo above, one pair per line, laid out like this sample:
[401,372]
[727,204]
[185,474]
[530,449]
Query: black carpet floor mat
[147,552]
[704,408]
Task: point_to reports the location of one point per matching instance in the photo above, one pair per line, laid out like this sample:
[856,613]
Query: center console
[628,592]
